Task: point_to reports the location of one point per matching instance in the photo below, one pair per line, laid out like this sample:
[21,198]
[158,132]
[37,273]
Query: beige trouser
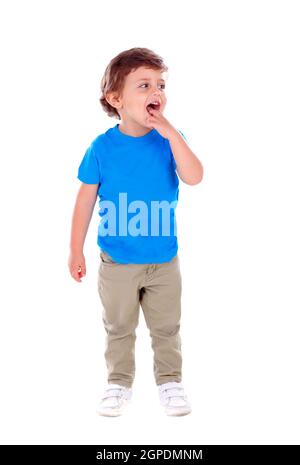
[157,287]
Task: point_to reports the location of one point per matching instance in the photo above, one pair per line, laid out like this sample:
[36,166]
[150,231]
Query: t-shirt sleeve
[89,170]
[174,164]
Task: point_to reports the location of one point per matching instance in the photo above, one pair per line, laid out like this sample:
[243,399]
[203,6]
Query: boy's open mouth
[152,105]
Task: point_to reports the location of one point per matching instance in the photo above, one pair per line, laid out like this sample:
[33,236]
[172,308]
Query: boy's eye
[163,85]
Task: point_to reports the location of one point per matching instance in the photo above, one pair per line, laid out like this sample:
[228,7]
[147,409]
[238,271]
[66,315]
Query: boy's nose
[158,96]
[157,93]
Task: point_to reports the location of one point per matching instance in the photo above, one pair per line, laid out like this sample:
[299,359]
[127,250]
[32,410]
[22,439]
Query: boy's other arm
[82,214]
[189,167]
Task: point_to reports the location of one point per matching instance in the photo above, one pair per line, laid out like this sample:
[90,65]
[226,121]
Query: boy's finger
[75,277]
[76,274]
[82,271]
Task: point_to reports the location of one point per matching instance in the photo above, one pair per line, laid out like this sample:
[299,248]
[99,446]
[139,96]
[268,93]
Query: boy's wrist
[76,250]
[174,134]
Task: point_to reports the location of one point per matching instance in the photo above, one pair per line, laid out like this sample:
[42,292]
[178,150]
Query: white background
[233,90]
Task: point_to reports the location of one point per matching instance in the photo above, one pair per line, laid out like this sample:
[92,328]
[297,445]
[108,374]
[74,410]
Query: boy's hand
[157,121]
[77,266]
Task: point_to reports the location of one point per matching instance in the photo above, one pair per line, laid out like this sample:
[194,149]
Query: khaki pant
[157,288]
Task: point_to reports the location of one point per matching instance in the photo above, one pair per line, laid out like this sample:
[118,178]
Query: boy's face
[141,87]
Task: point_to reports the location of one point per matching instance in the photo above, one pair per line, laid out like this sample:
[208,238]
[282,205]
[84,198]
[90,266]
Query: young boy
[132,167]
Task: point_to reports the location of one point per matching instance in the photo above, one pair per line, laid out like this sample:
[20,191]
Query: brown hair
[120,66]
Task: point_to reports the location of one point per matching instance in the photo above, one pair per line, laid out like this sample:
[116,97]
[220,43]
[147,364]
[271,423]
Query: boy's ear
[113,99]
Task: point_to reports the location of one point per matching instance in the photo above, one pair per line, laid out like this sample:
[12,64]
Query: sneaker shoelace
[114,391]
[172,389]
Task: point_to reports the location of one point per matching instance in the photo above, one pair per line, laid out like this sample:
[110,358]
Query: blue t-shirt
[138,194]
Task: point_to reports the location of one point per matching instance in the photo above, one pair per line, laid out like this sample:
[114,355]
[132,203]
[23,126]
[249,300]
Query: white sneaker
[114,399]
[174,399]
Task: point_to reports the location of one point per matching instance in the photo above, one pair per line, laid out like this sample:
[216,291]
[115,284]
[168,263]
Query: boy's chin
[148,126]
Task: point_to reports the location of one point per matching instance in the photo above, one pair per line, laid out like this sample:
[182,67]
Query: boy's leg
[118,287]
[161,304]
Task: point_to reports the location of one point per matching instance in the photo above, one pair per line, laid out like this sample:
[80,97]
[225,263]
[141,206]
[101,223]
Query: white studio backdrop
[233,90]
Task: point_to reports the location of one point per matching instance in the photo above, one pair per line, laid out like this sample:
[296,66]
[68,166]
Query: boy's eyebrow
[147,79]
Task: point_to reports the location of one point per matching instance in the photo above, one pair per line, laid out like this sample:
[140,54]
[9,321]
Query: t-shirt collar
[151,135]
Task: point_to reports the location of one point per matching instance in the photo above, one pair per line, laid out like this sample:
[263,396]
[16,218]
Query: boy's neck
[134,129]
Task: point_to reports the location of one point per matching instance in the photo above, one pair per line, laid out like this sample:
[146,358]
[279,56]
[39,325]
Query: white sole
[178,412]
